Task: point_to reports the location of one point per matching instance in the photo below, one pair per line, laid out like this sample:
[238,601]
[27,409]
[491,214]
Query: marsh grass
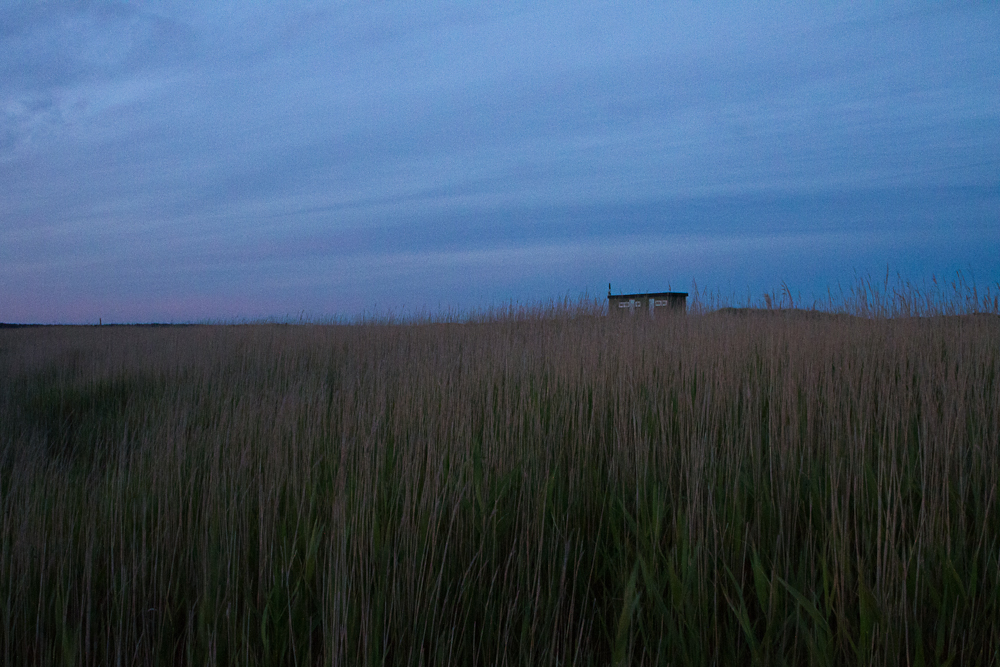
[520,487]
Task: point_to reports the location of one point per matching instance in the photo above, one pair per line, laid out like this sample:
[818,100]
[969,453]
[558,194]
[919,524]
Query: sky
[180,161]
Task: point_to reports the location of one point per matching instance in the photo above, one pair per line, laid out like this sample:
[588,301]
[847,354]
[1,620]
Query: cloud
[233,139]
[60,60]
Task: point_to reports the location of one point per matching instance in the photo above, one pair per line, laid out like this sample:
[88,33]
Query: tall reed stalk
[549,487]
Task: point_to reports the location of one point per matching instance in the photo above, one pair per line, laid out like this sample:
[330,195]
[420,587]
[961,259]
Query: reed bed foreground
[711,489]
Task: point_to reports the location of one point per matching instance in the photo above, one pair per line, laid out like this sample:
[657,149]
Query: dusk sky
[172,160]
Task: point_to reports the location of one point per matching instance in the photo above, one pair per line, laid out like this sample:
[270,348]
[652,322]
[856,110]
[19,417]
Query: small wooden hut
[650,304]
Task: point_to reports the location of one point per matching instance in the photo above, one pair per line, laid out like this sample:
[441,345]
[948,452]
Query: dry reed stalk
[533,487]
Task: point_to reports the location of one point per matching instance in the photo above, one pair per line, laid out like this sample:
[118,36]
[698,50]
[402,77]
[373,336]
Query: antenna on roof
[609,289]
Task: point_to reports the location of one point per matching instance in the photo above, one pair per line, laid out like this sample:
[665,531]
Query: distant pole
[609,289]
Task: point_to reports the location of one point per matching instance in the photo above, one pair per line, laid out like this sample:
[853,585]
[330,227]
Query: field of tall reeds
[534,487]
